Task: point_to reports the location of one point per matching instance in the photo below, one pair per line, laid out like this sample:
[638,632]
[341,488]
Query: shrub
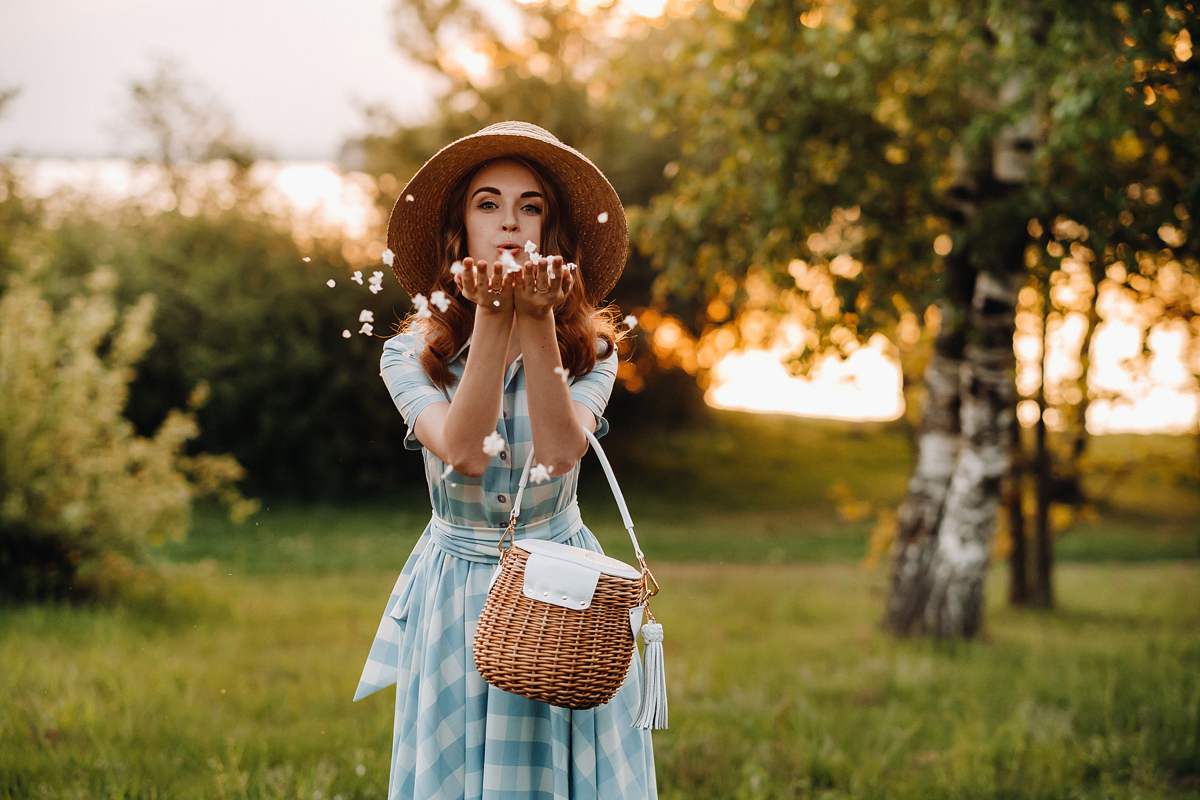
[81,495]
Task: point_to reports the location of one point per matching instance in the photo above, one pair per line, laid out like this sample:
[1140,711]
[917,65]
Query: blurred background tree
[557,65]
[928,179]
[243,306]
[856,161]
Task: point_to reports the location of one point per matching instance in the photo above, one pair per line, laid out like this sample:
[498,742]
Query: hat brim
[590,204]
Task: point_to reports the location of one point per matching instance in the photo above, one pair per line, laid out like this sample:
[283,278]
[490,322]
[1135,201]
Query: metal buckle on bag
[508,535]
[648,581]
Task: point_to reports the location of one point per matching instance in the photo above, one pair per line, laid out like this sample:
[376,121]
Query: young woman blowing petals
[514,355]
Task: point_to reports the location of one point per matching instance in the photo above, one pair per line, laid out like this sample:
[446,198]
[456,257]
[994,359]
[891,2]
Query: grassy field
[782,685]
[768,478]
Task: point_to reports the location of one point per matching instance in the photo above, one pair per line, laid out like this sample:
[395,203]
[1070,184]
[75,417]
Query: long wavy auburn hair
[577,325]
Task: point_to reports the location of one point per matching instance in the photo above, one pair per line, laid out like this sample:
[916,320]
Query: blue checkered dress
[455,736]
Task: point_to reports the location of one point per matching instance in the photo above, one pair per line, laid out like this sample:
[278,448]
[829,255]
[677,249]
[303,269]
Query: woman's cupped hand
[486,285]
[533,290]
[543,284]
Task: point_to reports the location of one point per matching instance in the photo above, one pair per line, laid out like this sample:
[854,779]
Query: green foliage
[790,114]
[241,312]
[81,495]
[550,76]
[301,407]
[782,686]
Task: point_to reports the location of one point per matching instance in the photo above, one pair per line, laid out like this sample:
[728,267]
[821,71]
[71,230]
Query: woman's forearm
[476,406]
[558,438]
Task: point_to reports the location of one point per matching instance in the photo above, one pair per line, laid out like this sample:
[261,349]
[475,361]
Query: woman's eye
[487,205]
[532,208]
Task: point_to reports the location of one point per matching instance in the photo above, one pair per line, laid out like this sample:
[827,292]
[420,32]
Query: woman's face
[505,209]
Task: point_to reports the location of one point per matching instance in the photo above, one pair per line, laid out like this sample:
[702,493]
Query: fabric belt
[480,544]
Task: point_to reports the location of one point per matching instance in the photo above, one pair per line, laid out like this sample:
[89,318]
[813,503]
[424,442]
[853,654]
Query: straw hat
[589,205]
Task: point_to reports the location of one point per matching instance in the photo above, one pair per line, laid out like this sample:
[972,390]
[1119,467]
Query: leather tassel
[653,713]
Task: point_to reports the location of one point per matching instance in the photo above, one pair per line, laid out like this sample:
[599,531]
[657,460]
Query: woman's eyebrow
[493,190]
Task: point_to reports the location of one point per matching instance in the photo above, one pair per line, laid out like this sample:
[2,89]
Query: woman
[509,353]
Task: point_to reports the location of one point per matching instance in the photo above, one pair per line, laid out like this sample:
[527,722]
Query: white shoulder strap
[612,482]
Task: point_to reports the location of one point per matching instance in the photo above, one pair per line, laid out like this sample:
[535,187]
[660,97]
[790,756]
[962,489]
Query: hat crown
[510,127]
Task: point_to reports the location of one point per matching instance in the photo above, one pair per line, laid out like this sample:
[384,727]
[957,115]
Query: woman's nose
[510,222]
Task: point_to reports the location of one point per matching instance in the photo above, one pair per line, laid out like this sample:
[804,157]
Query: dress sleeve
[594,388]
[411,388]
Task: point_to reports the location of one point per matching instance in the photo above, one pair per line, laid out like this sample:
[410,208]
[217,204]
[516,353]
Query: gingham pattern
[455,736]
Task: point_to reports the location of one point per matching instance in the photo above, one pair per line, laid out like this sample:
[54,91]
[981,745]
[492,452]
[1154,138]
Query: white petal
[306,259]
[357,277]
[457,268]
[375,288]
[389,257]
[510,264]
[631,321]
[366,316]
[367,329]
[563,373]
[603,217]
[439,299]
[346,335]
[331,283]
[408,198]
[423,313]
[493,444]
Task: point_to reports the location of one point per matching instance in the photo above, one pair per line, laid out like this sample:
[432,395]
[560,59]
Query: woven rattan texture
[565,657]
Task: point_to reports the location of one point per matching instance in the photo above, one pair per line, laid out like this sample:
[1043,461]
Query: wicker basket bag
[560,622]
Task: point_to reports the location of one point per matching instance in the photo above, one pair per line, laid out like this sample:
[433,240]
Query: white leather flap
[578,555]
[559,581]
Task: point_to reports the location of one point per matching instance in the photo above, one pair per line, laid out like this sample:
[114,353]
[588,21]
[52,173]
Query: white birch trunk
[920,514]
[964,539]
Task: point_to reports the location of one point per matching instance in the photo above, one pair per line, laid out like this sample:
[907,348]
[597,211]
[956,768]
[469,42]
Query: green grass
[766,478]
[782,686]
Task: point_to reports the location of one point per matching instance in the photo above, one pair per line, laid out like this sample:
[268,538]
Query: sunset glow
[864,386]
[1155,393]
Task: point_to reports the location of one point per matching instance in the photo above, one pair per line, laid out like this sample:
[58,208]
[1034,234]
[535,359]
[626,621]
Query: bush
[244,308]
[81,495]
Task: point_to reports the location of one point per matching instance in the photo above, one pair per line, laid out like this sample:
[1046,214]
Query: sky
[295,74]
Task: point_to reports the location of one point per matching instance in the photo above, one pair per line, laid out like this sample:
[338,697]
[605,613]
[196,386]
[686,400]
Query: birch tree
[956,134]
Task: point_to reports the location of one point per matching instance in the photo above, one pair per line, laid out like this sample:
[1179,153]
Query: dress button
[503,455]
[502,498]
